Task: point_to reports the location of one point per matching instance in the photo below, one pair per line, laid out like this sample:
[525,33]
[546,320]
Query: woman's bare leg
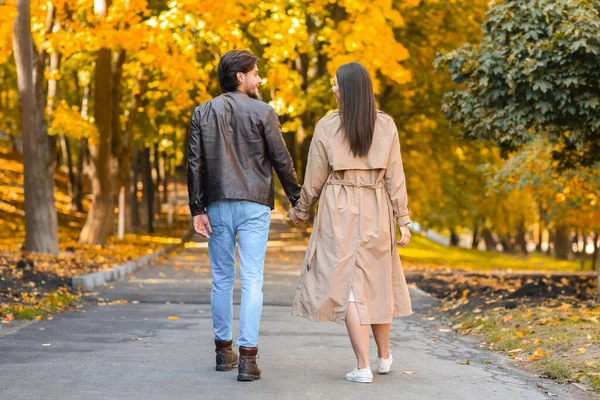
[381,333]
[359,336]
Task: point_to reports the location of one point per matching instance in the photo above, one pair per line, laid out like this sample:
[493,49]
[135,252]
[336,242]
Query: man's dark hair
[357,107]
[231,63]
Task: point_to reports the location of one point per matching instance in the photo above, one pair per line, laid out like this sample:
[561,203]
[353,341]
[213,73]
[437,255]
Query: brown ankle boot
[226,357]
[248,370]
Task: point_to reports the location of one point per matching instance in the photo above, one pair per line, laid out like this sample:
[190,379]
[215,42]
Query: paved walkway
[134,350]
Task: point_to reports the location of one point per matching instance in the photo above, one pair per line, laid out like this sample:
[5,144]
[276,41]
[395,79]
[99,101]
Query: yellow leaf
[581,350]
[173,318]
[536,355]
[515,351]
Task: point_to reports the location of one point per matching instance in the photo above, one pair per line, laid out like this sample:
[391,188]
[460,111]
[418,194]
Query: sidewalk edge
[89,282]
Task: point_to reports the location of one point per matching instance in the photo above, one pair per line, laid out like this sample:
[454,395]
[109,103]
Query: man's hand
[293,217]
[202,225]
[406,235]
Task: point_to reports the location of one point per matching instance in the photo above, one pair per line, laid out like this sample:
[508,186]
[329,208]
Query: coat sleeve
[316,174]
[395,182]
[280,157]
[195,167]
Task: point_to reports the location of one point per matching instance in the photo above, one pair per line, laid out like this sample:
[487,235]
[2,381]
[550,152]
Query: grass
[52,303]
[559,339]
[557,369]
[424,252]
[594,382]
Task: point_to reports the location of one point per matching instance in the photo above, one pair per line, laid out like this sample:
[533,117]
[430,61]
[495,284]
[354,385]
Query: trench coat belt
[340,182]
[343,182]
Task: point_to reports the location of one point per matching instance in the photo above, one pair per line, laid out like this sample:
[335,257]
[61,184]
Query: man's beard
[254,94]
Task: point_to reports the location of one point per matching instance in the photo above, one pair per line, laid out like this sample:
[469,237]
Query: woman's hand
[293,217]
[406,235]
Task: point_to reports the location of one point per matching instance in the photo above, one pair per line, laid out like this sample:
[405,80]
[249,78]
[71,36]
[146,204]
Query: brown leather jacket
[235,142]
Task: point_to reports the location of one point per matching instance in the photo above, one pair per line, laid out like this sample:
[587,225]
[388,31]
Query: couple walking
[351,273]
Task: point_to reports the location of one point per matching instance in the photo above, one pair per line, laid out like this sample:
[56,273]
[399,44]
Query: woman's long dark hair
[357,107]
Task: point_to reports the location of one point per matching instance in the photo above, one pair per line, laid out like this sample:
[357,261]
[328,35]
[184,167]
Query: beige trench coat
[353,242]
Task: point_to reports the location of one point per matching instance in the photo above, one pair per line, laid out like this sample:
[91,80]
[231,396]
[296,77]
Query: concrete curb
[93,280]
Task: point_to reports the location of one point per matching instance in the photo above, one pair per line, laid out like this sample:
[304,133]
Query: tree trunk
[562,243]
[77,199]
[158,181]
[127,160]
[66,153]
[165,168]
[488,238]
[135,174]
[186,145]
[116,75]
[41,224]
[82,150]
[148,190]
[475,240]
[597,269]
[596,253]
[454,238]
[507,243]
[50,107]
[100,220]
[521,243]
[17,144]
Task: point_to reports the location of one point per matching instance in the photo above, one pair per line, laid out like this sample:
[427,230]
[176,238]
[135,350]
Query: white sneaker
[384,364]
[363,375]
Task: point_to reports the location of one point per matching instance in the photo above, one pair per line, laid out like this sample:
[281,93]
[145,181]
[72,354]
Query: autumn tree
[40,211]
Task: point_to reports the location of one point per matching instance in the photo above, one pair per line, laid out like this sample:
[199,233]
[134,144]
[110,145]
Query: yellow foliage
[68,121]
[8,12]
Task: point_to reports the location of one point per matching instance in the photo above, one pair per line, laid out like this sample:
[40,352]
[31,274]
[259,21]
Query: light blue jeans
[250,222]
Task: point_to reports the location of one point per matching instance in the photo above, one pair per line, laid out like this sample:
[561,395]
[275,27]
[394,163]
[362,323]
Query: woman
[351,272]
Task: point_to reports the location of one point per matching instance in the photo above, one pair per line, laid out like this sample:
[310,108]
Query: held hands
[406,235]
[202,225]
[293,217]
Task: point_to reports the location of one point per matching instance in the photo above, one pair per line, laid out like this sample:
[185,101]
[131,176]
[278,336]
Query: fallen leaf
[9,317]
[173,318]
[408,372]
[536,355]
[581,350]
[465,362]
[515,351]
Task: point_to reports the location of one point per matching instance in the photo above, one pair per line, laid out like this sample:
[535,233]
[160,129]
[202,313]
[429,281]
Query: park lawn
[548,323]
[424,253]
[34,286]
[557,338]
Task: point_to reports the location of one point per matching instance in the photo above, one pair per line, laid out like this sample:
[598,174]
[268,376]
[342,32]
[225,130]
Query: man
[235,142]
